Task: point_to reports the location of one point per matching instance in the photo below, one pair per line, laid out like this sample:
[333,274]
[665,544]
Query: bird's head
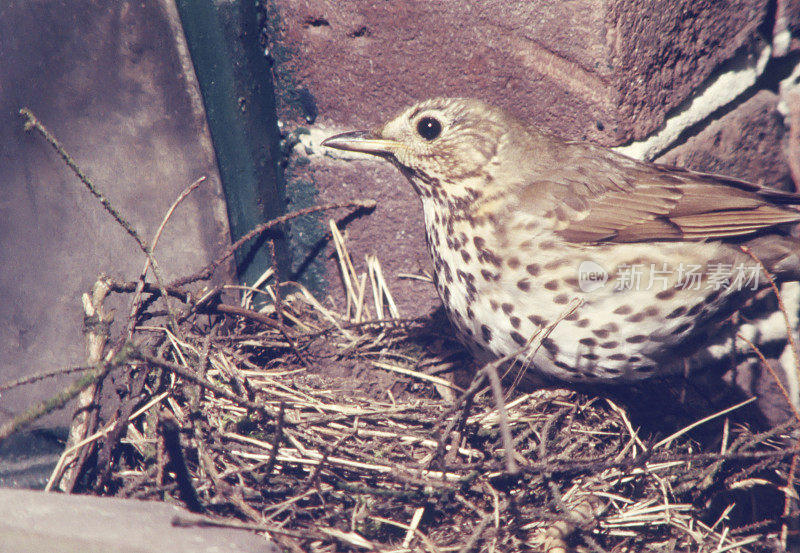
[440,144]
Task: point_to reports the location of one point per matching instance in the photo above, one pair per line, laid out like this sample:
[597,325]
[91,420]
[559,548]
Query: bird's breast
[606,311]
[494,279]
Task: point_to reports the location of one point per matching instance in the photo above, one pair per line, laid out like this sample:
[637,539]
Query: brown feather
[665,203]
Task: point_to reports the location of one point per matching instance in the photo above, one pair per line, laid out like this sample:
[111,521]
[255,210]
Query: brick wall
[710,85]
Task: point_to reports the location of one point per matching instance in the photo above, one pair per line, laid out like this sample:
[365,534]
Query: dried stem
[62,398]
[208,271]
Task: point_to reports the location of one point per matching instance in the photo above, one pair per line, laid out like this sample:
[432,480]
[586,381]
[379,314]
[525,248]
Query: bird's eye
[429,128]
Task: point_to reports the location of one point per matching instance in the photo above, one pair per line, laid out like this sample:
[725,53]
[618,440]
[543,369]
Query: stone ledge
[39,521]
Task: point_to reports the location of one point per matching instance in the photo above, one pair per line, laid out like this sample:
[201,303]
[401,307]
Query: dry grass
[342,429]
[240,414]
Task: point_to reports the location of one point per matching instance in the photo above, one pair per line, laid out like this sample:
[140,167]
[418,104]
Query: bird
[573,261]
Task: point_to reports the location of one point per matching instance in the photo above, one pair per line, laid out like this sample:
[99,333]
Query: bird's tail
[780,255]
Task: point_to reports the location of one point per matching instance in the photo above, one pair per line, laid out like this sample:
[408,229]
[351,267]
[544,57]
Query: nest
[343,429]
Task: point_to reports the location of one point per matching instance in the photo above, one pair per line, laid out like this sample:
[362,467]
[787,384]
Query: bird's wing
[640,202]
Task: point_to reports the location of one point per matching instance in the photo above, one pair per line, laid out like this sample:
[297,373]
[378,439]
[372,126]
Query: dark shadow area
[318,248]
[239,98]
[29,457]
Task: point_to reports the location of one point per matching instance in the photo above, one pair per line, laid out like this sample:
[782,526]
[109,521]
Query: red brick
[571,66]
[664,50]
[587,69]
[394,231]
[791,100]
[786,33]
[745,143]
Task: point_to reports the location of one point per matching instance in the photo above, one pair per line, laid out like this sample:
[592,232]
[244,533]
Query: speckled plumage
[513,213]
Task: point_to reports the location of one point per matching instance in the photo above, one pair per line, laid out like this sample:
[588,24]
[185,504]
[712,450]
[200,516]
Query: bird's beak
[362,141]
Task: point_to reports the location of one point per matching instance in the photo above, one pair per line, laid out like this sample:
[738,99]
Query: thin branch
[505,431]
[781,306]
[136,301]
[62,398]
[207,271]
[185,372]
[41,376]
[777,380]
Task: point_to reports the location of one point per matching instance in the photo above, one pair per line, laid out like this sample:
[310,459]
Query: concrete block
[39,521]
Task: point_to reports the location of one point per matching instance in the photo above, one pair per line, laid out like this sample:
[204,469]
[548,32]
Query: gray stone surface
[33,521]
[113,82]
[27,458]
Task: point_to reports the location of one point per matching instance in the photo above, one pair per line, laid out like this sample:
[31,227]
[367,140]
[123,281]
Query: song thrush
[536,241]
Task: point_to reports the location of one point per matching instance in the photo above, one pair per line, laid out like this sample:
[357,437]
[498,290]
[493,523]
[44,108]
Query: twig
[170,432]
[775,377]
[278,301]
[136,301]
[231,493]
[413,526]
[505,431]
[411,530]
[476,534]
[781,306]
[704,420]
[189,375]
[788,500]
[62,398]
[416,374]
[97,323]
[41,376]
[68,455]
[206,272]
[276,441]
[202,367]
[490,371]
[312,479]
[444,434]
[535,341]
[277,285]
[126,287]
[184,521]
[247,314]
